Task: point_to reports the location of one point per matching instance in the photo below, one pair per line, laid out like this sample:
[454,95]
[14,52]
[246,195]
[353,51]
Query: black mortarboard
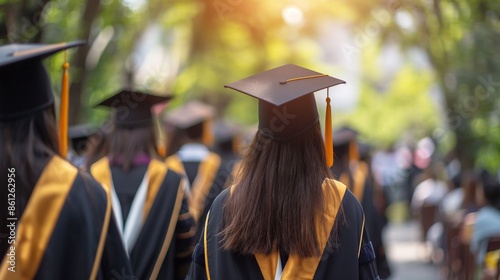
[287,106]
[24,83]
[344,135]
[79,136]
[225,131]
[190,114]
[195,118]
[133,108]
[227,136]
[347,137]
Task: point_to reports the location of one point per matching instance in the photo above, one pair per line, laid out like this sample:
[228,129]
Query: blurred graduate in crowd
[148,197]
[60,217]
[357,176]
[285,216]
[227,146]
[79,140]
[487,220]
[193,121]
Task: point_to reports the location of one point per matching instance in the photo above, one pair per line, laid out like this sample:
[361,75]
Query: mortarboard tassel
[353,151]
[328,132]
[161,148]
[161,143]
[208,137]
[63,113]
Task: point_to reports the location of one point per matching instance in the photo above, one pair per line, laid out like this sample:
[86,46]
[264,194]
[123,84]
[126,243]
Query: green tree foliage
[459,37]
[213,42]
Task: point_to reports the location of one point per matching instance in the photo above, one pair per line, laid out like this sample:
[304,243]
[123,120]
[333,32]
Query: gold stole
[156,171]
[359,174]
[201,186]
[40,217]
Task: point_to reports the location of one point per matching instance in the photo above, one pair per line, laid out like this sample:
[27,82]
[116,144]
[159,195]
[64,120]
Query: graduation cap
[227,136]
[347,136]
[287,107]
[25,85]
[133,108]
[193,116]
[79,136]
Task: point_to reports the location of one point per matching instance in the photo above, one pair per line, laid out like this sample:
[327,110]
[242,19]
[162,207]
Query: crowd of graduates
[160,193]
[457,208]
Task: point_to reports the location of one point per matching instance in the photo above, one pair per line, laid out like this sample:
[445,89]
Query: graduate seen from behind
[60,224]
[193,122]
[285,217]
[148,197]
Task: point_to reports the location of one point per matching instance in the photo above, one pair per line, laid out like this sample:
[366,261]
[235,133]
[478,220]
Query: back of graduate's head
[491,189]
[195,132]
[25,140]
[127,143]
[278,191]
[132,121]
[194,119]
[27,124]
[28,128]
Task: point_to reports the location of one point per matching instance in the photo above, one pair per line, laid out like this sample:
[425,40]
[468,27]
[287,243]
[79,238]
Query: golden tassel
[208,137]
[328,132]
[162,150]
[63,113]
[353,151]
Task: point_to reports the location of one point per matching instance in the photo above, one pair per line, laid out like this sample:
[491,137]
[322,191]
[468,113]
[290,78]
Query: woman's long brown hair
[277,197]
[24,141]
[26,145]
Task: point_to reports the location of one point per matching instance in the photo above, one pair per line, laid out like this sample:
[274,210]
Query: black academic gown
[67,230]
[165,241]
[353,258]
[206,182]
[362,186]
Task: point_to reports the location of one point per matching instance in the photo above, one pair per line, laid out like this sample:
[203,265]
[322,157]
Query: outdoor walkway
[406,253]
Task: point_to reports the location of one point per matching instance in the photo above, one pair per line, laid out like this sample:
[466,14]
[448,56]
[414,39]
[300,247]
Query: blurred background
[413,68]
[423,76]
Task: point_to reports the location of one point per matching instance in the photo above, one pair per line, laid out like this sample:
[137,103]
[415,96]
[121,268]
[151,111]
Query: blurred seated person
[429,192]
[487,223]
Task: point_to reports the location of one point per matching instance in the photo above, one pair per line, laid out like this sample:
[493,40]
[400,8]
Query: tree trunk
[75,101]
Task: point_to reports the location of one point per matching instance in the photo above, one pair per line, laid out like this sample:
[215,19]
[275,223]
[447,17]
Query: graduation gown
[158,233]
[67,230]
[362,188]
[205,183]
[353,258]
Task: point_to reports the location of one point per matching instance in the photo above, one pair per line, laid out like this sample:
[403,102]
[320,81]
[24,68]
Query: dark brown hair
[277,197]
[126,143]
[97,146]
[23,142]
